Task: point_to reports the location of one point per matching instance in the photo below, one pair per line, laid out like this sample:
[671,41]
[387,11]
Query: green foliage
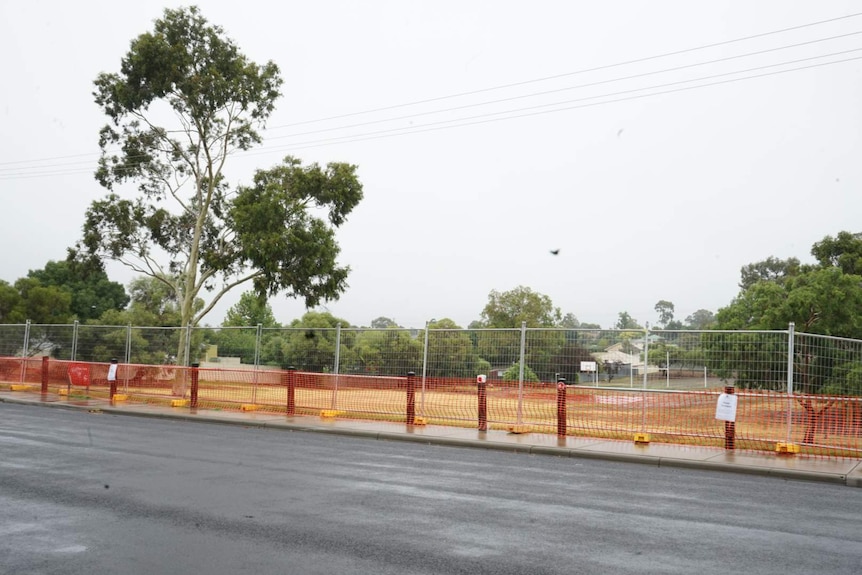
[771,269]
[92,293]
[514,373]
[291,250]
[665,311]
[250,310]
[390,351]
[383,322]
[184,100]
[567,361]
[237,341]
[44,304]
[844,252]
[625,321]
[521,304]
[509,310]
[11,304]
[451,352]
[822,299]
[498,346]
[700,320]
[310,344]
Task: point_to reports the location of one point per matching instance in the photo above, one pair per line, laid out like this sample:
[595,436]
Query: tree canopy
[626,321]
[819,299]
[521,304]
[184,100]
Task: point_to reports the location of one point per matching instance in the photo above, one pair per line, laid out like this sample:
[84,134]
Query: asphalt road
[96,493]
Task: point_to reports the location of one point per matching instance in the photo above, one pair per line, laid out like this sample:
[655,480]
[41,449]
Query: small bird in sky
[620,132]
[555,252]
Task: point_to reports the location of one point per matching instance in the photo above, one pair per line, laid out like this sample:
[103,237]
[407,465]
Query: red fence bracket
[193,394]
[561,407]
[45,360]
[411,398]
[729,426]
[112,379]
[482,390]
[288,379]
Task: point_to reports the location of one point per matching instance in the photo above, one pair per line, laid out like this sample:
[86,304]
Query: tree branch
[225,289]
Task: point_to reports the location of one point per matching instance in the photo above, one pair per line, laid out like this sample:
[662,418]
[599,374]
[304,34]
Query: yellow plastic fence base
[178,402]
[786,448]
[420,421]
[519,429]
[121,397]
[330,413]
[20,387]
[249,407]
[641,438]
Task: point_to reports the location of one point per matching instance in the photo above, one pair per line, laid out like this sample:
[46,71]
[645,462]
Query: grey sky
[648,198]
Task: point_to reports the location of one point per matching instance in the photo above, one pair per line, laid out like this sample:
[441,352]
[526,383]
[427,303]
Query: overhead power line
[20,169]
[568,88]
[574,73]
[486,118]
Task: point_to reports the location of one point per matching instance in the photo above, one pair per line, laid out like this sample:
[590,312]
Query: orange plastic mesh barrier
[819,424]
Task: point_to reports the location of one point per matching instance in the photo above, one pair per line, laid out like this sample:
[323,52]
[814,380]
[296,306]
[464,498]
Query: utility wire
[627,95]
[484,118]
[17,169]
[576,72]
[565,89]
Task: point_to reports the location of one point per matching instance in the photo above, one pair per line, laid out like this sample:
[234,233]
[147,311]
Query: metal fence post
[74,353]
[424,370]
[791,336]
[26,351]
[521,372]
[257,339]
[128,357]
[336,366]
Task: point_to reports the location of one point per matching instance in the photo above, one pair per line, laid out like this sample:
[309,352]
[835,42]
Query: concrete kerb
[851,479]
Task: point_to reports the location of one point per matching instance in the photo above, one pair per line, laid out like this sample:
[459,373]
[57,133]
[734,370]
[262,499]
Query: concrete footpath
[845,471]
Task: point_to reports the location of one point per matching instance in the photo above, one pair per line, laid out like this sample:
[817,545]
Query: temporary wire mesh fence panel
[381,352]
[791,388]
[12,339]
[229,347]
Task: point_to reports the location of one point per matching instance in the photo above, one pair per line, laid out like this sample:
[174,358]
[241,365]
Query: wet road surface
[96,493]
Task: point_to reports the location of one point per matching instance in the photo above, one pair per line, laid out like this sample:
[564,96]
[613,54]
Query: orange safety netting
[820,424]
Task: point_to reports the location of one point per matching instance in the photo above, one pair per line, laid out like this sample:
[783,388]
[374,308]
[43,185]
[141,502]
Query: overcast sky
[483,141]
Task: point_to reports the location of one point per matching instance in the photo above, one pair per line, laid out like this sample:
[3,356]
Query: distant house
[627,355]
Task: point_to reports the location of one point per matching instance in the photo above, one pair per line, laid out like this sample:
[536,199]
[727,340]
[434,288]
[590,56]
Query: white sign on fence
[725,408]
[588,366]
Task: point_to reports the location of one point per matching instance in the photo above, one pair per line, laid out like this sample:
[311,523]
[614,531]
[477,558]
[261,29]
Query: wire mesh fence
[791,387]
